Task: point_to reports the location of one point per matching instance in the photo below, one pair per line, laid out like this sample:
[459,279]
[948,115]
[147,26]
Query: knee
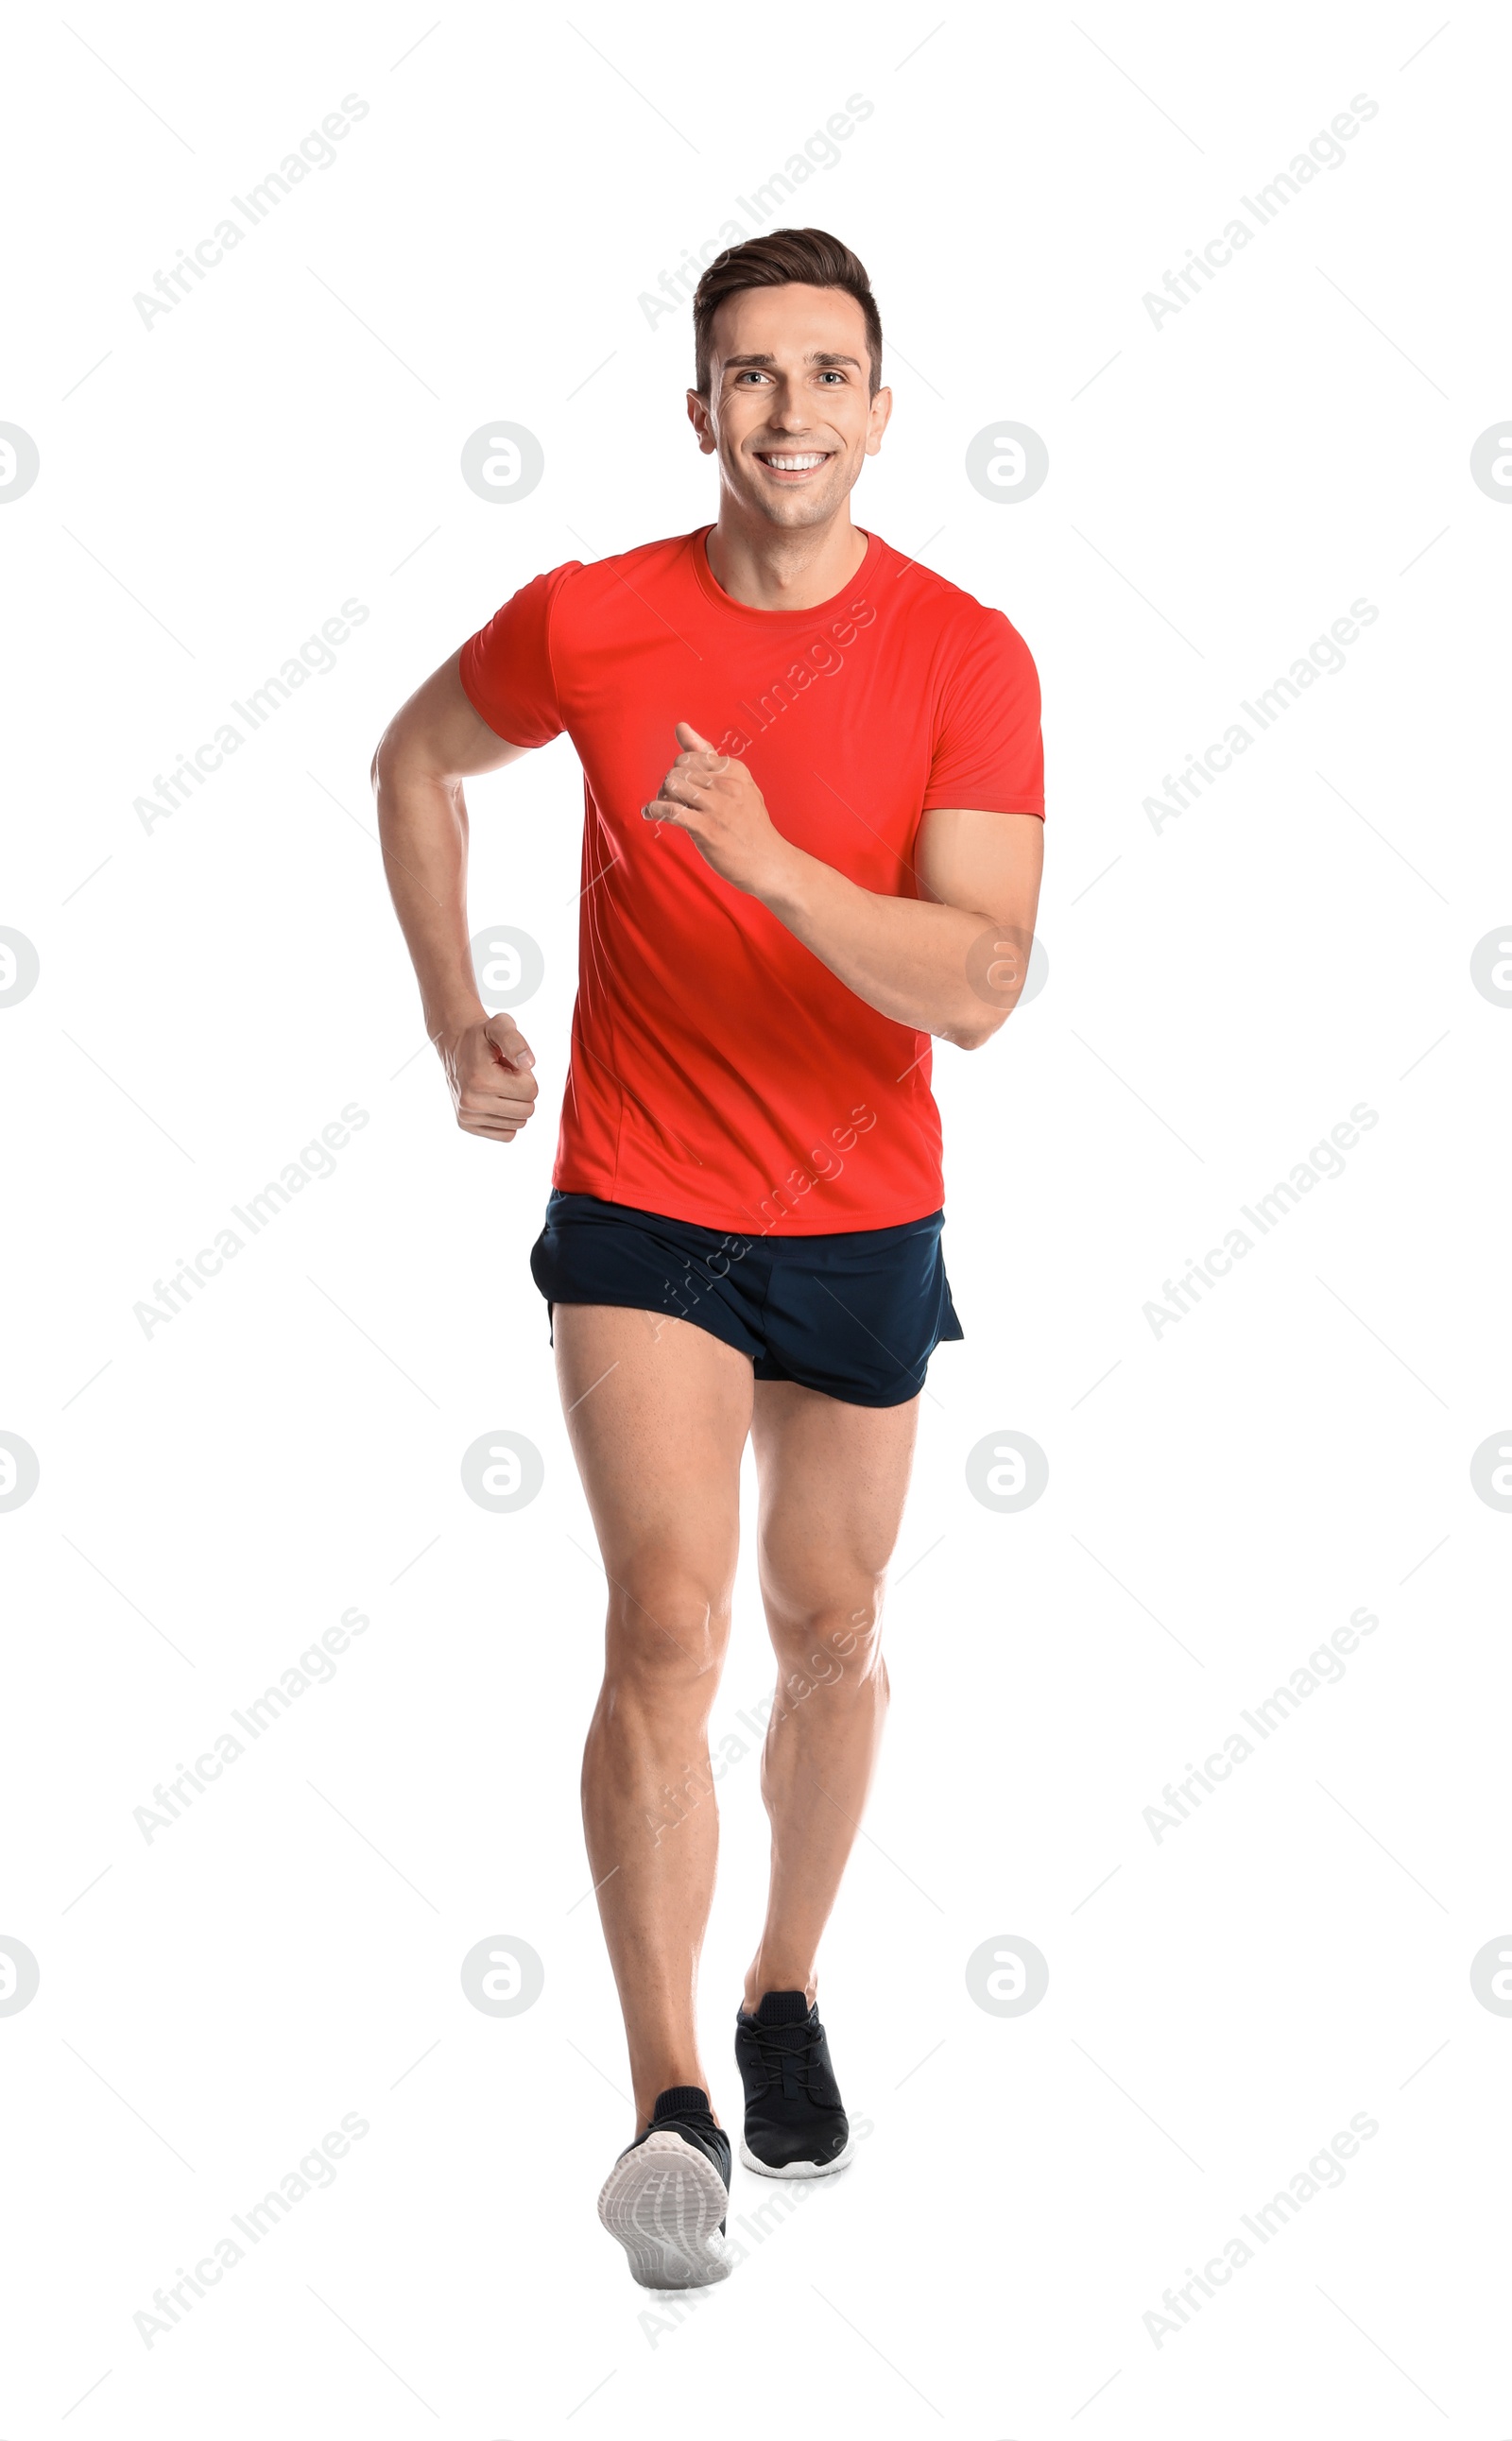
[666,1635]
[830,1642]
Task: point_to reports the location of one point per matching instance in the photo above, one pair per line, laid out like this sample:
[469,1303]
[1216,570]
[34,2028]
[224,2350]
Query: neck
[775,568]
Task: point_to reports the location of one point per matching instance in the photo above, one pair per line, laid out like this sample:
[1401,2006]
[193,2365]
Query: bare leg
[834,1479]
[657,1412]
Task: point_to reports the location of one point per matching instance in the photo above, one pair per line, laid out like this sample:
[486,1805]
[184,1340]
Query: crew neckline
[710,583]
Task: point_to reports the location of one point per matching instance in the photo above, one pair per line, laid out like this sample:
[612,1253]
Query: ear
[702,422]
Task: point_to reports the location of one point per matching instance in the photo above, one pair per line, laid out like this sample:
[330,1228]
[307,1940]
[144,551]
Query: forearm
[930,966]
[422,826]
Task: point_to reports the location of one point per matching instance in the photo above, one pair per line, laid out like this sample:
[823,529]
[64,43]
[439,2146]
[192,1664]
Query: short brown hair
[806,257]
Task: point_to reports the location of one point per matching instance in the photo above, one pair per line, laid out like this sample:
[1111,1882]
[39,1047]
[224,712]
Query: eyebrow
[814,356]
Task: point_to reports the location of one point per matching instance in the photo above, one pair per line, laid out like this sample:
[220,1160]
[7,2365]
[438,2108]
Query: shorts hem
[640,1305]
[843,1397]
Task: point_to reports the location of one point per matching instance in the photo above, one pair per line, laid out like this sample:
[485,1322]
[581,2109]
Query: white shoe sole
[664,2202]
[798,2169]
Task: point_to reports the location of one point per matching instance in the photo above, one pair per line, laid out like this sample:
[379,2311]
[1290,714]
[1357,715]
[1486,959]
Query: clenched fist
[713,798]
[489,1068]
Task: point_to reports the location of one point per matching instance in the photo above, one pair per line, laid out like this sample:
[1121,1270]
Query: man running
[813,787]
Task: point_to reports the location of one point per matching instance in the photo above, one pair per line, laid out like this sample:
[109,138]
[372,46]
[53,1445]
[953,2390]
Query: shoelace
[786,2054]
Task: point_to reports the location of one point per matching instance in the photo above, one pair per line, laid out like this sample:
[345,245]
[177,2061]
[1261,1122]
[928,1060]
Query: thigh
[834,1479]
[657,1412]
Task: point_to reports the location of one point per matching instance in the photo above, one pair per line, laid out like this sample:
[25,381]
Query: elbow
[402,760]
[974,1031]
[395,765]
[378,769]
[997,963]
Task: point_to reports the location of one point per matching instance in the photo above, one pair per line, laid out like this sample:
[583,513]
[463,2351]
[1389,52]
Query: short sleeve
[506,668]
[987,748]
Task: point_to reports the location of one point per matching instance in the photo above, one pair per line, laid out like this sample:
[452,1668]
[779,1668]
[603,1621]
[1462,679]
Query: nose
[789,412]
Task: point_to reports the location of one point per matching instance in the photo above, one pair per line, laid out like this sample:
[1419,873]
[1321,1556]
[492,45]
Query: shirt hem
[743,1222]
[934,802]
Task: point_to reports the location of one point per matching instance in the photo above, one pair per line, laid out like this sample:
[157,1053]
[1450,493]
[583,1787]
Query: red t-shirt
[721,1073]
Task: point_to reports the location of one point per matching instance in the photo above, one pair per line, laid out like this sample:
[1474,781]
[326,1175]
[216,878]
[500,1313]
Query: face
[789,411]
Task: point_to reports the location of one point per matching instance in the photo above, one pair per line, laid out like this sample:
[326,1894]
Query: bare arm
[951,961]
[435,742]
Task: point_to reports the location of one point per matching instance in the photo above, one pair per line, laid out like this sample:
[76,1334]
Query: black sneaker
[796,2125]
[666,2197]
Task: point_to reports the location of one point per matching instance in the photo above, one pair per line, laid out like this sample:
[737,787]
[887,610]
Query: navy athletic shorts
[856,1315]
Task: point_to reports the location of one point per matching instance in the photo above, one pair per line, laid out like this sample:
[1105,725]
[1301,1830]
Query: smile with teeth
[796,464]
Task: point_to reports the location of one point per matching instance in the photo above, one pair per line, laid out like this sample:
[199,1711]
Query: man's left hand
[713,798]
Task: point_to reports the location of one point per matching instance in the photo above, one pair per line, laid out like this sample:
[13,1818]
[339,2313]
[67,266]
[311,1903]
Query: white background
[1221,992]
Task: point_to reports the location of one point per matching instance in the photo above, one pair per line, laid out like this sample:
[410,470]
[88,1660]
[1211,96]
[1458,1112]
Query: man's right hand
[489,1068]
